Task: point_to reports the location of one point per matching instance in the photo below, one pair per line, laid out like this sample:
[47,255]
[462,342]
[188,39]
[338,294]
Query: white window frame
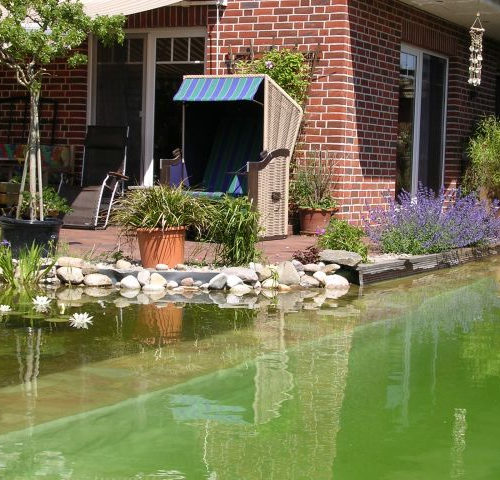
[148,87]
[419,54]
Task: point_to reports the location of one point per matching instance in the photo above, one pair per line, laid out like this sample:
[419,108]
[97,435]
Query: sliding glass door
[421,120]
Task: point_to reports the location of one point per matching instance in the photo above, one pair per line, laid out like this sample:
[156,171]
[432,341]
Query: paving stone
[340,257]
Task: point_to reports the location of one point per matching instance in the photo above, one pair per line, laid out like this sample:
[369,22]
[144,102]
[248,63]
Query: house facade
[389,92]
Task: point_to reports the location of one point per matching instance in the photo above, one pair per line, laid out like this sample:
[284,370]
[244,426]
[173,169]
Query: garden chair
[102,177]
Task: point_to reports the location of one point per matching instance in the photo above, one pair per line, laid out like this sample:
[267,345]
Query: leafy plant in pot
[159,216]
[33,34]
[310,191]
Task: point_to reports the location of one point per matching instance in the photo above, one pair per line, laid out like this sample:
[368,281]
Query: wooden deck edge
[365,274]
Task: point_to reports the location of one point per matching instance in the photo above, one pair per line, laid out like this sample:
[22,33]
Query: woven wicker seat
[228,120]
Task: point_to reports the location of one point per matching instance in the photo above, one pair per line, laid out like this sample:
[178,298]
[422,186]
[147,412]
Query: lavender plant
[432,223]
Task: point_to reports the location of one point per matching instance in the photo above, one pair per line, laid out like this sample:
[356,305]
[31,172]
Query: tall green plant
[313,181]
[484,153]
[234,228]
[288,68]
[161,206]
[33,34]
[28,271]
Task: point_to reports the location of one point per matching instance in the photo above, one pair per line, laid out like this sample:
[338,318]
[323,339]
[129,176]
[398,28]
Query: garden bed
[406,265]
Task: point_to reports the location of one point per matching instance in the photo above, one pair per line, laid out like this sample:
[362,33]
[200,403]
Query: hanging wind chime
[476,52]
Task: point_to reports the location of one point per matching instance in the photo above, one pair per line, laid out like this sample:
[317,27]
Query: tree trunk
[33,155]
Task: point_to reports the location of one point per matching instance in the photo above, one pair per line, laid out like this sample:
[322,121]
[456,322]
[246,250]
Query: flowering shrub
[288,68]
[339,235]
[430,223]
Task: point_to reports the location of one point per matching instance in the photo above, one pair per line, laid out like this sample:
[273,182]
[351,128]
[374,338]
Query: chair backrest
[105,151]
[238,140]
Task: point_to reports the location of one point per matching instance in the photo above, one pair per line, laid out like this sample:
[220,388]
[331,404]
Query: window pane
[432,121]
[136,46]
[197,53]
[404,156]
[164,50]
[181,49]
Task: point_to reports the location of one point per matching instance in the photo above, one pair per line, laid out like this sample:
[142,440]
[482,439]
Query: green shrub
[234,228]
[484,153]
[160,207]
[313,180]
[339,235]
[53,203]
[289,69]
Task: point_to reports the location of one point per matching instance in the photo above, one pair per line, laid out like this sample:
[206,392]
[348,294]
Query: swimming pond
[399,380]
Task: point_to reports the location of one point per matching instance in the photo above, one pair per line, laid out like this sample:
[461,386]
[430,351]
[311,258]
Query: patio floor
[102,243]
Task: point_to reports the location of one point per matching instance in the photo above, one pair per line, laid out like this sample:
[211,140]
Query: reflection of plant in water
[481,347]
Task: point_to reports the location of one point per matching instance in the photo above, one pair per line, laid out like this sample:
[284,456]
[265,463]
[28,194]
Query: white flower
[5,309]
[80,320]
[41,303]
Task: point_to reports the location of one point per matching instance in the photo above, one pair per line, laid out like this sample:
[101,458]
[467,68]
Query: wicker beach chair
[258,107]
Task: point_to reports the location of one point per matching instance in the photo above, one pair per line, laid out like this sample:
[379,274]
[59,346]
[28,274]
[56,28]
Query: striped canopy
[222,89]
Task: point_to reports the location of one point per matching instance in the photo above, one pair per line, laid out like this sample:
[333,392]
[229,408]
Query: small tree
[33,34]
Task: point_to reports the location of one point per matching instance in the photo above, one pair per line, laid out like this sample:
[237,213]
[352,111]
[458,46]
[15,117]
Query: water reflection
[393,383]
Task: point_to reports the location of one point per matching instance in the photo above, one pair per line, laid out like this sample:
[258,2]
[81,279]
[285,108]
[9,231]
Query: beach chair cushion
[237,141]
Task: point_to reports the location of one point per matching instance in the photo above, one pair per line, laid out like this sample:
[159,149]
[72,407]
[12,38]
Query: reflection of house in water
[298,395]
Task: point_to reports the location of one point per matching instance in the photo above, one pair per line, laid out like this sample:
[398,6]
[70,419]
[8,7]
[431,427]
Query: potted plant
[311,192]
[159,216]
[483,172]
[33,35]
[47,232]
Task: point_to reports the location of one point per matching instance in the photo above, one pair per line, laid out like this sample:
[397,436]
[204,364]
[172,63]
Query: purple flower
[320,231]
[5,243]
[269,65]
[431,223]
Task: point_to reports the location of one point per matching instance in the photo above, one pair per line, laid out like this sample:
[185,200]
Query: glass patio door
[119,95]
[175,57]
[421,120]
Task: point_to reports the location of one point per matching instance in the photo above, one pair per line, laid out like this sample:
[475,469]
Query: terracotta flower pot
[314,220]
[161,246]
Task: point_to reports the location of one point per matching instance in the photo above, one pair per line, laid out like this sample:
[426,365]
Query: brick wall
[353,104]
[352,109]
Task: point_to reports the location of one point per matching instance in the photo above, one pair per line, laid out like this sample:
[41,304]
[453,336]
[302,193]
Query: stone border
[369,273]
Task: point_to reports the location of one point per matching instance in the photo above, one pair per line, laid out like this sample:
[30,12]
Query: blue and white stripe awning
[218,89]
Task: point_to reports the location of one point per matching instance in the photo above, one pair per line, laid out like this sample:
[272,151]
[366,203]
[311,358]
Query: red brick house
[389,93]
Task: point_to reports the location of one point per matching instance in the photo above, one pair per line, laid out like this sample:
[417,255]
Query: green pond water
[398,381]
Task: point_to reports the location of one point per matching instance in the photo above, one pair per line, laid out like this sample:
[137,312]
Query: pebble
[240,289]
[218,282]
[123,264]
[161,266]
[171,284]
[270,283]
[187,282]
[153,287]
[233,280]
[143,277]
[130,282]
[320,276]
[157,279]
[71,275]
[336,281]
[97,280]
